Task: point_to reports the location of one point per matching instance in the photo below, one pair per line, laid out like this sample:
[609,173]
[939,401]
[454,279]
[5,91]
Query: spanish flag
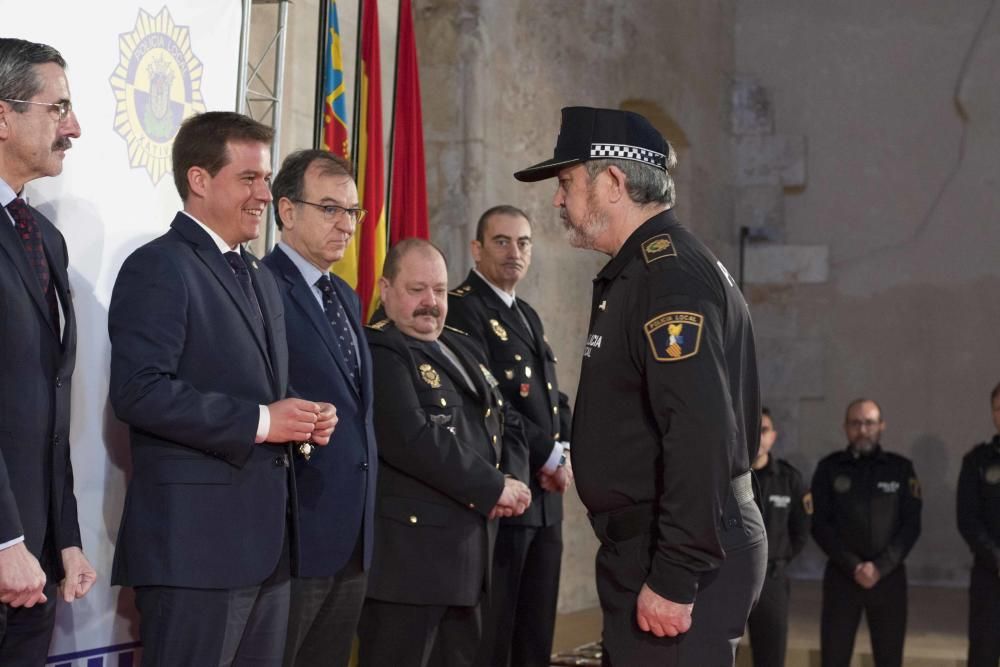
[362,263]
[335,135]
[408,203]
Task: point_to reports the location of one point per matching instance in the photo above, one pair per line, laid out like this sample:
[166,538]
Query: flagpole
[323,42]
[358,73]
[392,133]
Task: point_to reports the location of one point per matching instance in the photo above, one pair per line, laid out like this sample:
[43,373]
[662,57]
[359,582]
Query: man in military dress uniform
[866,519]
[520,618]
[440,425]
[668,411]
[979,523]
[787,506]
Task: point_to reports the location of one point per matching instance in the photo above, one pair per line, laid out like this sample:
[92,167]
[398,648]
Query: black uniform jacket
[979,502]
[668,408]
[439,445]
[787,507]
[525,366]
[36,369]
[866,508]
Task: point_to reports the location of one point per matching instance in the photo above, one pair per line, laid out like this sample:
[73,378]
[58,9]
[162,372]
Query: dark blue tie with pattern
[337,316]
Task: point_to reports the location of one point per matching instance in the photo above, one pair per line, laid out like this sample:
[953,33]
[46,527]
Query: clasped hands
[558,480]
[866,574]
[513,501]
[298,420]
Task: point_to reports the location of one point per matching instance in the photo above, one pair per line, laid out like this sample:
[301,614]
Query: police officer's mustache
[433,311]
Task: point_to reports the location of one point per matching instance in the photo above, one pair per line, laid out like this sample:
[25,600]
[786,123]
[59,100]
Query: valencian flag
[362,263]
[335,136]
[408,203]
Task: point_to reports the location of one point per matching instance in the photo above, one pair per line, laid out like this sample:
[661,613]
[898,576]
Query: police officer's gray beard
[864,446]
[584,234]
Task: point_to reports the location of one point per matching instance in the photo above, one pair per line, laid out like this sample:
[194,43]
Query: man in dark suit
[316,208]
[440,425]
[520,619]
[199,370]
[39,533]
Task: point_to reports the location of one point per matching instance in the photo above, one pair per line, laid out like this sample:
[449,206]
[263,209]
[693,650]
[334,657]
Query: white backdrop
[135,69]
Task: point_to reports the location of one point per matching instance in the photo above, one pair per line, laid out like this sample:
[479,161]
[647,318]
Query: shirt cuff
[8,545]
[263,424]
[553,461]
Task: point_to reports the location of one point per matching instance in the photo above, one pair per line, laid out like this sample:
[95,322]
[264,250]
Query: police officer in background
[787,506]
[979,523]
[520,618]
[867,518]
[668,409]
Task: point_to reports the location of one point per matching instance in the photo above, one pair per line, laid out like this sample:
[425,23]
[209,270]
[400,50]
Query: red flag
[408,208]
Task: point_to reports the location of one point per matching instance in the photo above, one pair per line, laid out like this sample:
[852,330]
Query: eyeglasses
[332,211]
[866,423]
[64,107]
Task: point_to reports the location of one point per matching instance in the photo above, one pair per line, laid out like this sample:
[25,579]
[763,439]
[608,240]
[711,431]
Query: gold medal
[509,373]
[306,449]
[525,389]
[527,371]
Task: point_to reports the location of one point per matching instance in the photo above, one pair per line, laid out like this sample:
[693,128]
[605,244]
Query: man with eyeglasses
[866,519]
[787,506]
[521,613]
[39,532]
[316,209]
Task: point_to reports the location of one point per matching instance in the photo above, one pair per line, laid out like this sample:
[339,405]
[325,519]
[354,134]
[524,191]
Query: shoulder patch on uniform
[378,326]
[455,329]
[658,247]
[460,291]
[807,503]
[674,336]
[915,487]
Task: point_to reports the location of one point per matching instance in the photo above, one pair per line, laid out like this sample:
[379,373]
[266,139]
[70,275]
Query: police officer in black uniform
[668,410]
[520,618]
[866,519]
[979,523]
[444,437]
[787,506]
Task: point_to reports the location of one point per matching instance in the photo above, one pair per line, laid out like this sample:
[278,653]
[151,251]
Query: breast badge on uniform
[842,484]
[992,475]
[674,336]
[499,330]
[429,375]
[658,247]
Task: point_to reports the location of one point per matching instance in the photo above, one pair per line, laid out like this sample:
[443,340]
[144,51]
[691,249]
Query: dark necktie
[31,239]
[521,317]
[337,316]
[243,278]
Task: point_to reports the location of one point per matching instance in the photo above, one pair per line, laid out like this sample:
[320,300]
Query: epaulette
[458,331]
[658,247]
[461,290]
[378,326]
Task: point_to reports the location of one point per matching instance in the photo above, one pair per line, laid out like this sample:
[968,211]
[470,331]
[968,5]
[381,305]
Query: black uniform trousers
[526,565]
[885,608]
[393,634]
[984,617]
[768,622]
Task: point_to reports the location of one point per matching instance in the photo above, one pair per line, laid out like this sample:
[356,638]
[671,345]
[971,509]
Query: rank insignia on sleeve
[674,336]
[658,247]
[807,503]
[499,330]
[429,375]
[914,487]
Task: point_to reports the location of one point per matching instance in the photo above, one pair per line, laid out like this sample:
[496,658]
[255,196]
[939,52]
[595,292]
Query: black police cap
[592,134]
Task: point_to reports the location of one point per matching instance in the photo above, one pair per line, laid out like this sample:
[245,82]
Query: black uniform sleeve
[824,523]
[970,521]
[412,443]
[799,516]
[690,402]
[909,524]
[565,419]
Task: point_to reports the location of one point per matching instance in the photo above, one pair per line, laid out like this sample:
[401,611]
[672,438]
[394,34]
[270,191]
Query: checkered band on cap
[625,152]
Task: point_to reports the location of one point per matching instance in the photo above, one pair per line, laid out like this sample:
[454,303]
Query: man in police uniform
[979,523]
[668,409]
[520,618]
[439,423]
[787,506]
[866,519]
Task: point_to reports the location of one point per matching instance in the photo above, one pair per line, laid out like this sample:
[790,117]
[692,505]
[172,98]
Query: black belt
[625,523]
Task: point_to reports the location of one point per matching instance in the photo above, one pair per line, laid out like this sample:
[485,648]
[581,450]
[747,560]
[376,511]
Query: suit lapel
[12,246]
[268,308]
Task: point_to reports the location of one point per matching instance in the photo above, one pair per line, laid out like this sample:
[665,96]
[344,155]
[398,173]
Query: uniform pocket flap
[418,512]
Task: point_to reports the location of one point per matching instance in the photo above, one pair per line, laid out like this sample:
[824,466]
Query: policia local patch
[674,336]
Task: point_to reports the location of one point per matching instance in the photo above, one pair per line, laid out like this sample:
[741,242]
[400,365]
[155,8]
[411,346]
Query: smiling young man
[199,372]
[316,208]
[39,532]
